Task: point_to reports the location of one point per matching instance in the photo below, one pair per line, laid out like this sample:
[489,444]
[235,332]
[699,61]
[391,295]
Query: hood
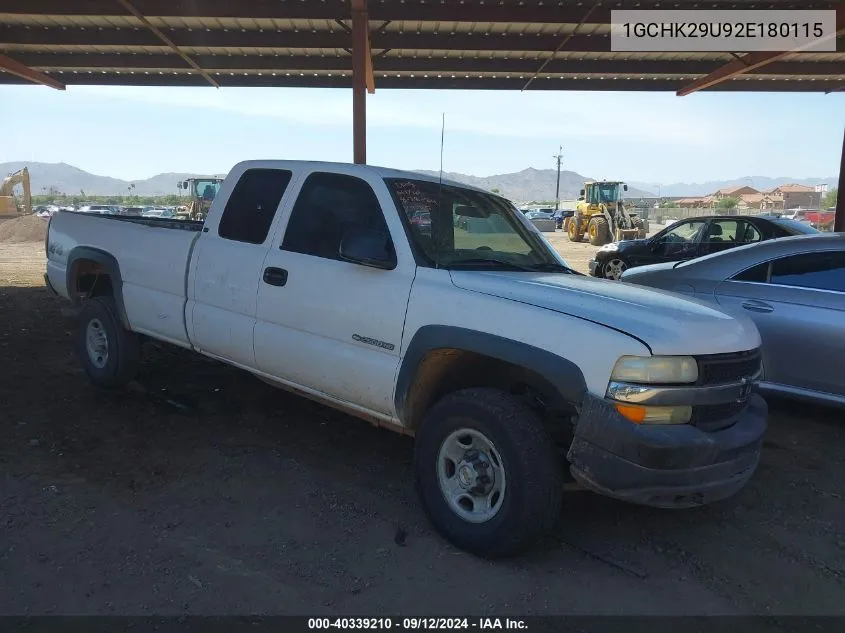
[631,273]
[668,323]
[631,245]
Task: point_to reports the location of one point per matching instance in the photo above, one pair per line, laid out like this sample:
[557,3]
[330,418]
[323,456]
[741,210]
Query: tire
[522,450]
[119,349]
[613,267]
[599,231]
[573,230]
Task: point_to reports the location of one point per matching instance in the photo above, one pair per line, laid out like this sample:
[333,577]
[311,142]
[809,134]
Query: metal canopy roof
[457,44]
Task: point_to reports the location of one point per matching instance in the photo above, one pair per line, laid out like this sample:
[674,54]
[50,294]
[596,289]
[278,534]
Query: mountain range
[523,186]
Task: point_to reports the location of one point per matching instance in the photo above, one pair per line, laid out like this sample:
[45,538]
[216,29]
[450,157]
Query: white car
[482,343]
[158,213]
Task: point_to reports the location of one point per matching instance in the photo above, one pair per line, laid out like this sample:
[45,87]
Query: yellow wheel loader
[8,203]
[601,215]
[201,193]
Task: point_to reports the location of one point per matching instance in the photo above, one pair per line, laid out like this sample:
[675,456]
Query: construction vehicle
[8,203]
[201,193]
[602,216]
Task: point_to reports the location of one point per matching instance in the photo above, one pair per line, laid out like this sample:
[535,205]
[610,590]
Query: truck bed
[150,256]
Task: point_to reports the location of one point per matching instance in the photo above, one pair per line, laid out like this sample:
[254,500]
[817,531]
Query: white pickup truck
[437,310]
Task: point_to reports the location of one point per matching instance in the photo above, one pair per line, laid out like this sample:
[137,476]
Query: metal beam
[754,61]
[140,17]
[25,72]
[500,11]
[362,79]
[563,43]
[437,64]
[839,218]
[451,81]
[218,38]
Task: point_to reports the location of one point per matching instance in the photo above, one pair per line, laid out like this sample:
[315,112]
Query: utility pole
[558,157]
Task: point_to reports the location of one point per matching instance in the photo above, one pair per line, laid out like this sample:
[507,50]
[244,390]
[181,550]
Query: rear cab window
[252,205]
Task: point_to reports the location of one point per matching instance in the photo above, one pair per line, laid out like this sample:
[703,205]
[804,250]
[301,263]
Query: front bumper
[594,266]
[677,466]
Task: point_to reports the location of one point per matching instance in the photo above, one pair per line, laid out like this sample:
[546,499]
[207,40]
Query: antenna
[559,158]
[442,136]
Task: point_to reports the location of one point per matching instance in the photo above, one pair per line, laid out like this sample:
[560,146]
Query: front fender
[563,375]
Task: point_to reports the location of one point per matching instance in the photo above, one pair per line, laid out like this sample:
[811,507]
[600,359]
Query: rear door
[798,304]
[331,325]
[228,264]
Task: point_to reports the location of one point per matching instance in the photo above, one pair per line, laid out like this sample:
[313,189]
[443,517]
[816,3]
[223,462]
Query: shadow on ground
[203,490]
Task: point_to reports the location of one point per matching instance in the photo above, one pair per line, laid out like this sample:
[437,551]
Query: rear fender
[109,263]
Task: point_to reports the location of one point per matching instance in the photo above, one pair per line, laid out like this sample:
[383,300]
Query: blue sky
[135,133]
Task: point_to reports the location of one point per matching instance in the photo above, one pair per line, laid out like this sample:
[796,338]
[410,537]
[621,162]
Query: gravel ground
[204,491]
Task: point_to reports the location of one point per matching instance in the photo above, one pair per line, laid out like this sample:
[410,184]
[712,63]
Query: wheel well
[90,278]
[443,371]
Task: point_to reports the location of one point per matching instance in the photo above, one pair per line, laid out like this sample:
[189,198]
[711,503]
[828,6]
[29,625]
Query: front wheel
[614,267]
[487,472]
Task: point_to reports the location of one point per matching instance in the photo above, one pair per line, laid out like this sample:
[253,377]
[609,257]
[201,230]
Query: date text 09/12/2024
[418,624]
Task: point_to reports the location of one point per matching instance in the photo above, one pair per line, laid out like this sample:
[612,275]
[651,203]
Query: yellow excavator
[602,216]
[8,203]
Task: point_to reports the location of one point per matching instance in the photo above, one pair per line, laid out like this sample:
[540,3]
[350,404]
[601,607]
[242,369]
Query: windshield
[455,227]
[603,192]
[206,189]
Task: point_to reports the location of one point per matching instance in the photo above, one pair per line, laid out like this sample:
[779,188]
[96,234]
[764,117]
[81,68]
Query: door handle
[757,306]
[275,276]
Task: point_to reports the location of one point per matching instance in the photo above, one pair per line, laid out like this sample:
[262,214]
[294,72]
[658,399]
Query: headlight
[655,369]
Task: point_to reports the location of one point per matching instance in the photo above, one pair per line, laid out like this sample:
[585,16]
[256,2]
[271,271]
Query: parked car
[132,212]
[690,238]
[794,290]
[306,275]
[101,209]
[158,213]
[561,215]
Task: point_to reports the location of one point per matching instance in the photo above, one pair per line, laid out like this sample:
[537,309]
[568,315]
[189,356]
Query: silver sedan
[793,288]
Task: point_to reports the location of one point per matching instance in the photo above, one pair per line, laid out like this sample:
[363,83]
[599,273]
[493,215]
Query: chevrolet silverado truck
[466,331]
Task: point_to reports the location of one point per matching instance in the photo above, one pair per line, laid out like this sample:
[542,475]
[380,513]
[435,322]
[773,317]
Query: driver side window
[328,206]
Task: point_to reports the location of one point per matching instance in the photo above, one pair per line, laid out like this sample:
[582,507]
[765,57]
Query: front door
[678,243]
[332,325]
[227,267]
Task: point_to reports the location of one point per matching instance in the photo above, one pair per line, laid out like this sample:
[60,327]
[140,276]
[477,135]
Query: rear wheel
[599,231]
[109,353]
[487,472]
[614,267]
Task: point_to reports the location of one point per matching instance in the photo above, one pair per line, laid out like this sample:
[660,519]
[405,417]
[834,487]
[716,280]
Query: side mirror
[581,193]
[368,248]
[625,187]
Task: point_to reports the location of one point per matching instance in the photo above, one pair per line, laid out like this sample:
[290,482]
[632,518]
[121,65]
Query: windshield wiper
[549,267]
[474,261]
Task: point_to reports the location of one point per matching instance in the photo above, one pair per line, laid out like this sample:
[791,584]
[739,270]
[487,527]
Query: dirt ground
[205,491]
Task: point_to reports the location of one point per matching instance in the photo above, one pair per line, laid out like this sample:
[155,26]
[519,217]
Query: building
[733,192]
[796,196]
[758,201]
[706,202]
